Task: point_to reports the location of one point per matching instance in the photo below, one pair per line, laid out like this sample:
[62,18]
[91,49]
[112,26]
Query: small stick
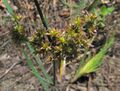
[8,70]
[54,72]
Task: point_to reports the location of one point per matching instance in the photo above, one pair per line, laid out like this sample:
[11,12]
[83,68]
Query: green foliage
[45,82]
[101,14]
[9,8]
[81,33]
[18,29]
[65,44]
[39,62]
[94,63]
[106,10]
[18,33]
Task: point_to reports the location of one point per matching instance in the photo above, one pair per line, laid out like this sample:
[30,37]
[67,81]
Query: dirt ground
[20,78]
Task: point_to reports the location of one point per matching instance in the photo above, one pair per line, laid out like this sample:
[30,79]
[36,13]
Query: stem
[93,5]
[42,19]
[54,72]
[41,14]
[49,38]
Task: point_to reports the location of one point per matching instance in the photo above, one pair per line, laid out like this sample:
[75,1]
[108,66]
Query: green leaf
[94,63]
[39,63]
[9,8]
[106,10]
[42,81]
[110,9]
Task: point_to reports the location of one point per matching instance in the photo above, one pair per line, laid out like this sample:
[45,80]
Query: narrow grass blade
[39,63]
[9,8]
[42,81]
[93,64]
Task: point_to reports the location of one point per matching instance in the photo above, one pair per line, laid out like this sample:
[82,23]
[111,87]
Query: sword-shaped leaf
[94,63]
[9,8]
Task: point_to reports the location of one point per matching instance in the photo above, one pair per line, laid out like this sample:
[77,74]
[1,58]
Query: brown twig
[9,69]
[54,72]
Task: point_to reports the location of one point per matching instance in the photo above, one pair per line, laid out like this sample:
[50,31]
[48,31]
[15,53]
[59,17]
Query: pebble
[64,13]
